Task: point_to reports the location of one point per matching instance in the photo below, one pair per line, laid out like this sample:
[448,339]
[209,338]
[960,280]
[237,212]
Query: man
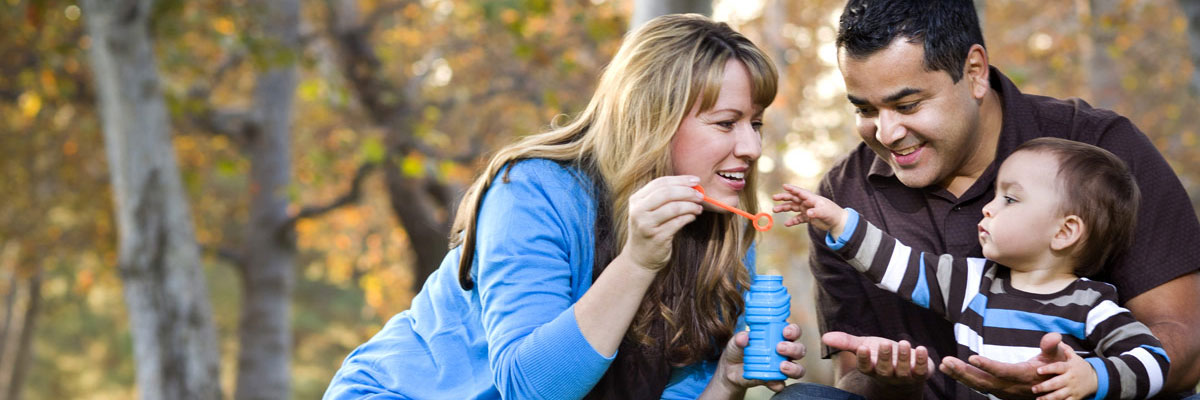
[936,122]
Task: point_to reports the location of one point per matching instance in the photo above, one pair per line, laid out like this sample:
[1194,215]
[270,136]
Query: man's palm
[1007,380]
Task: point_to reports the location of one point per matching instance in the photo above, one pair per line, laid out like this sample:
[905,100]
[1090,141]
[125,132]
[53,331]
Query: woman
[589,238]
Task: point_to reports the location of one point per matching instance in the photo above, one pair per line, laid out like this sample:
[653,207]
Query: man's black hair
[947,28]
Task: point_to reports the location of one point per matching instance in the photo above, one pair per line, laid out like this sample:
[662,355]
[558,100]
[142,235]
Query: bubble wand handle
[754,218]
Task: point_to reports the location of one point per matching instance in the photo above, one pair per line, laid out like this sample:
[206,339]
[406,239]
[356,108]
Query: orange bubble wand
[754,218]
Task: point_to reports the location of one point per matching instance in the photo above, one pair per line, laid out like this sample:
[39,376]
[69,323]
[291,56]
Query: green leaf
[227,168]
[411,167]
[372,150]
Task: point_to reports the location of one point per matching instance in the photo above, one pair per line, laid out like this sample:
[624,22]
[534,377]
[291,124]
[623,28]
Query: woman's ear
[1070,232]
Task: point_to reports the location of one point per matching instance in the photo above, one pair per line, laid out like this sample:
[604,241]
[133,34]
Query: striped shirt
[994,320]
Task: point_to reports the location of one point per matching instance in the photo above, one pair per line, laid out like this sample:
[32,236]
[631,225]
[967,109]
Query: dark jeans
[804,390]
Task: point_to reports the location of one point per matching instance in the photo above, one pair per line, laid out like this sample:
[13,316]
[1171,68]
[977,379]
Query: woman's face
[721,144]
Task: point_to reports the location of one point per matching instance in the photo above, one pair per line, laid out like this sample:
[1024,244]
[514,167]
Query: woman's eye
[1009,200]
[757,125]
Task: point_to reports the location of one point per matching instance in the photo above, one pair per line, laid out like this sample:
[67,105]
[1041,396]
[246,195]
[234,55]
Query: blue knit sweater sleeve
[533,251]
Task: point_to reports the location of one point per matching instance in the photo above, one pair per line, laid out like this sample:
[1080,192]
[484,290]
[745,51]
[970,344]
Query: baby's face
[1019,223]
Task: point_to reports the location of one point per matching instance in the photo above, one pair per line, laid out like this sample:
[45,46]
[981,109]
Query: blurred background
[308,155]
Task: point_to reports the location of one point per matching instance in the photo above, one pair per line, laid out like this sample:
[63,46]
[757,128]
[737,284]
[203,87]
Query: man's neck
[991,121]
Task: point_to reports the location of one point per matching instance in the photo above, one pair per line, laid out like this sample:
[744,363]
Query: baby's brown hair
[1101,191]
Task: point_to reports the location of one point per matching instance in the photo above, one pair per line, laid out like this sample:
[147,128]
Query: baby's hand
[810,207]
[1076,379]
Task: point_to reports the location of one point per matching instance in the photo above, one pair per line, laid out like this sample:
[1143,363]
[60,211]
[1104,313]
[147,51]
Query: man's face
[919,121]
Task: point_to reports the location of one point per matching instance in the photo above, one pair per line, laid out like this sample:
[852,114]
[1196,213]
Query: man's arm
[1166,245]
[1171,313]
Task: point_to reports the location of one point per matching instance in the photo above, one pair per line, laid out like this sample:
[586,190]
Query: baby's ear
[1070,232]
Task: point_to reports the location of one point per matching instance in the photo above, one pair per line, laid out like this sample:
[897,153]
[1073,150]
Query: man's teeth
[737,176]
[906,151]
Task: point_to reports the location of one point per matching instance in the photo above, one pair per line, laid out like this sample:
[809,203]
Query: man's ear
[976,71]
[1070,232]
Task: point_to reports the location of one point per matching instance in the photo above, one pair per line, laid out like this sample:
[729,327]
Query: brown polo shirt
[931,219]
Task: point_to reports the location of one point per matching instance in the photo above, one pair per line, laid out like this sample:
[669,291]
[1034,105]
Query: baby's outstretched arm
[810,207]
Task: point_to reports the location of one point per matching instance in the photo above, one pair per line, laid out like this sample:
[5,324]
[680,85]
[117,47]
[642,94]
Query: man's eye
[865,112]
[907,107]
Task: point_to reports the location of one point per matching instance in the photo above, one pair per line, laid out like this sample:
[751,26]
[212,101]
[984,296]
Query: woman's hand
[656,212]
[727,382]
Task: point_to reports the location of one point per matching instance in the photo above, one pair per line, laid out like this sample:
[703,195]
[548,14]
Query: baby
[1062,208]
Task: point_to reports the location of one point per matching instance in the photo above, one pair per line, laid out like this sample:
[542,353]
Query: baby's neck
[1044,275]
[1041,280]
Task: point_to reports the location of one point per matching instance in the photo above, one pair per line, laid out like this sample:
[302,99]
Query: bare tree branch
[351,196]
[382,11]
[203,87]
[240,125]
[224,253]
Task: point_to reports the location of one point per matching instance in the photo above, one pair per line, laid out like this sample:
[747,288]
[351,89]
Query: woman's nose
[748,143]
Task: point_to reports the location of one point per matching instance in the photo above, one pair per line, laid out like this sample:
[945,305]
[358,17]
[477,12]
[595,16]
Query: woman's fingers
[664,200]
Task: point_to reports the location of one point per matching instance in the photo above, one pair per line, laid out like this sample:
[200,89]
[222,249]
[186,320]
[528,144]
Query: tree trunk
[645,10]
[1191,8]
[21,306]
[174,340]
[1101,75]
[267,260]
[428,235]
[419,202]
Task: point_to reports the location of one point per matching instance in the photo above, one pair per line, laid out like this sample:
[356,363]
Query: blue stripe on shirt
[1101,377]
[1158,350]
[978,304]
[1014,319]
[920,294]
[847,231]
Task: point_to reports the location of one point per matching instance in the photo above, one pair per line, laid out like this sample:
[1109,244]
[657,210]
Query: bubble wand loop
[754,218]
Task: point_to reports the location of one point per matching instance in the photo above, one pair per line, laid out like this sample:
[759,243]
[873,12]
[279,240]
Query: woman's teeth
[736,176]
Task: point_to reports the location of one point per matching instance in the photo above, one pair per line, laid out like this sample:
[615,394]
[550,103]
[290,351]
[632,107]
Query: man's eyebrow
[858,101]
[901,94]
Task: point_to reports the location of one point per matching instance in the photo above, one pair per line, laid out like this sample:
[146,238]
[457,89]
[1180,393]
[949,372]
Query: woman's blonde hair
[622,140]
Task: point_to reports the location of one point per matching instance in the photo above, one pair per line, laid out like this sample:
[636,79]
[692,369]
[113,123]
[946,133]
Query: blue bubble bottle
[767,308]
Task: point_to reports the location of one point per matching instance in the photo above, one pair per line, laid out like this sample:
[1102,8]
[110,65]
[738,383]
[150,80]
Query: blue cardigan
[514,335]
